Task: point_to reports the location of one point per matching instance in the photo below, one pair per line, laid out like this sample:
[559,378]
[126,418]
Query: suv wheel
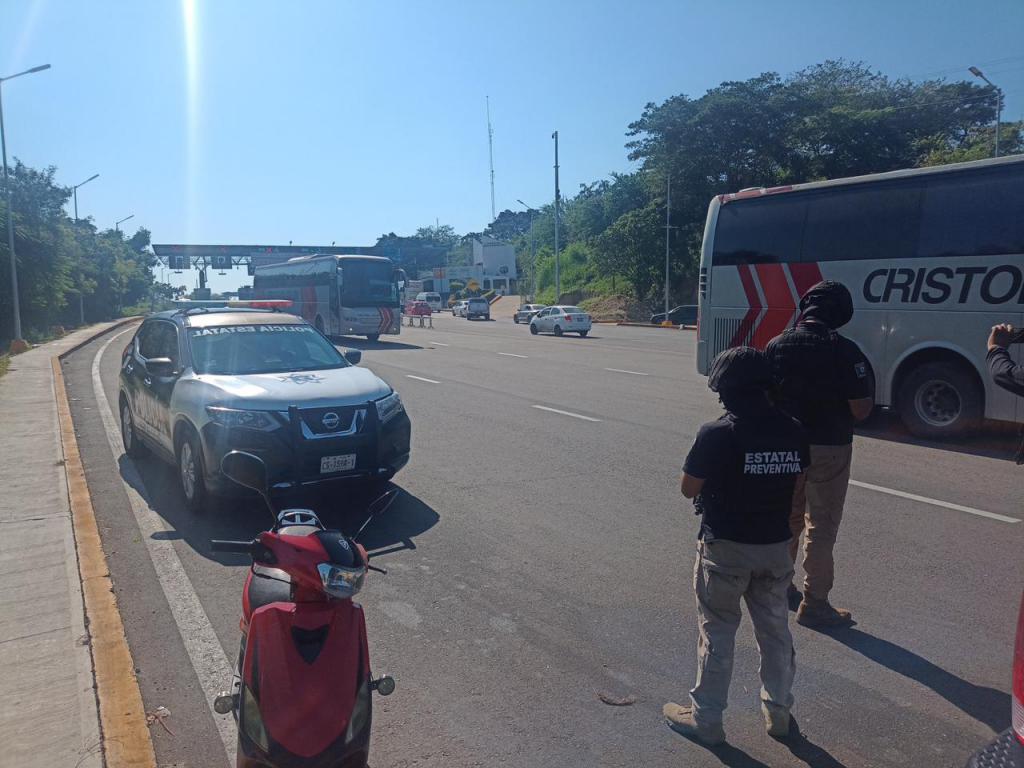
[940,400]
[190,473]
[515,319]
[129,437]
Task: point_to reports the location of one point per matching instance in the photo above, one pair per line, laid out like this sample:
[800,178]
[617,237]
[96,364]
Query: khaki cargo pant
[725,572]
[817,512]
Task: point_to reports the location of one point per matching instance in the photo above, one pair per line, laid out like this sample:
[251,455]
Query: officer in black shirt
[822,381]
[741,472]
[1006,373]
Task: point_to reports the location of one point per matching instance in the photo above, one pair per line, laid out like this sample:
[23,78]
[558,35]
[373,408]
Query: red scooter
[302,684]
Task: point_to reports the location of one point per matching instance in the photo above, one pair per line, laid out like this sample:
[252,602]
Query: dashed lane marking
[510,354]
[936,502]
[565,413]
[439,344]
[421,378]
[632,373]
[204,649]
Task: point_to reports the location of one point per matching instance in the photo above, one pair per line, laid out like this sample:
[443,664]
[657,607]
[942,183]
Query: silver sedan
[559,320]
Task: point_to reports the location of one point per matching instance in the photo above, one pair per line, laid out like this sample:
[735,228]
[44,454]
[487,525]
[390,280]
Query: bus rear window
[760,231]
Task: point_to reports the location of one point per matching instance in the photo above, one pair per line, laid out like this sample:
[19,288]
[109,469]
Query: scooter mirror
[384,685]
[245,469]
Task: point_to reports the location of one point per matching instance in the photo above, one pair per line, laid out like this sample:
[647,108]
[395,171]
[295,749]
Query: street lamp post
[668,231]
[10,206]
[81,277]
[119,222]
[999,101]
[533,251]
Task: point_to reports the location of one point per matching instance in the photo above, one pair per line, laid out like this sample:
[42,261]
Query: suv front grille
[333,420]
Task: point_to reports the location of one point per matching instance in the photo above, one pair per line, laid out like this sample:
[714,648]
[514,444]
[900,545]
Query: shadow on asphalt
[804,750]
[986,705]
[342,507]
[350,342]
[997,440]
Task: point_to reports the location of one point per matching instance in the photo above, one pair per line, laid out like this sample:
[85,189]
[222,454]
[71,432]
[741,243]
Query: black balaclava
[827,302]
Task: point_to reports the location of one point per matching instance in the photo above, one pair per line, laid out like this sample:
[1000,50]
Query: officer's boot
[819,614]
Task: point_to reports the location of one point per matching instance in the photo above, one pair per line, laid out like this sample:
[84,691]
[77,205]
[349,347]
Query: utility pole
[490,152]
[10,207]
[558,276]
[533,252]
[999,102]
[668,230]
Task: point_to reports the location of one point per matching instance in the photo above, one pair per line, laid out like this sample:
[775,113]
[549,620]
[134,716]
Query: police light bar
[261,303]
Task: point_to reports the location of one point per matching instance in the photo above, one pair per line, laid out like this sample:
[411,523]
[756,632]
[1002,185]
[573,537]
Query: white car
[459,308]
[559,320]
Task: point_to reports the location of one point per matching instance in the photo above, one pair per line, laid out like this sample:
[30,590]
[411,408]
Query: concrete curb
[123,729]
[646,325]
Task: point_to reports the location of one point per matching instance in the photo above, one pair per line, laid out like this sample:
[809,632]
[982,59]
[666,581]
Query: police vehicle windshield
[236,350]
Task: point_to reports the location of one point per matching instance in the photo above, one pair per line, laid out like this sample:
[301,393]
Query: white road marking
[634,373]
[421,378]
[936,502]
[510,354]
[565,413]
[204,649]
[439,344]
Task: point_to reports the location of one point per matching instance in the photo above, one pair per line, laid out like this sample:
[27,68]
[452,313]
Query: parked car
[1007,749]
[685,314]
[526,312]
[196,383]
[416,308]
[559,320]
[478,308]
[459,308]
[433,299]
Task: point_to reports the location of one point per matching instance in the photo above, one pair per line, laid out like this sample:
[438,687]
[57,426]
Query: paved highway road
[541,556]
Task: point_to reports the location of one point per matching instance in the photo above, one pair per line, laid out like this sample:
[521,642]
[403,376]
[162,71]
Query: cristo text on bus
[934,257]
[339,295]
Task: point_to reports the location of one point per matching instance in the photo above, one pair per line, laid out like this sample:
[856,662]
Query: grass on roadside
[5,361]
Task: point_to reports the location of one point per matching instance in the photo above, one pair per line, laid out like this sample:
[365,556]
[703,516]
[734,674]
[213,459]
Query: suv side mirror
[160,366]
[353,356]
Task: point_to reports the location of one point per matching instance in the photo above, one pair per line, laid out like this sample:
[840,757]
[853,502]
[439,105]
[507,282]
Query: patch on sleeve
[861,369]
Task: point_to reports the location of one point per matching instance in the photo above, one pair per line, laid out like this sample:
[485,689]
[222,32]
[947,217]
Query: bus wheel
[372,336]
[941,400]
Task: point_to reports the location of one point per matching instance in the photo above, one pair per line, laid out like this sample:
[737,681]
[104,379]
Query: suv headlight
[389,407]
[233,417]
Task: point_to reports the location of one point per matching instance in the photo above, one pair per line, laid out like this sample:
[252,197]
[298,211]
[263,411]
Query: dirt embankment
[617,308]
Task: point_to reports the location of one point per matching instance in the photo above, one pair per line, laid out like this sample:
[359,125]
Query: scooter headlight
[341,582]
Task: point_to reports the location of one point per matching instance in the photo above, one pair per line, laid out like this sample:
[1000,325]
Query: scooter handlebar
[222,545]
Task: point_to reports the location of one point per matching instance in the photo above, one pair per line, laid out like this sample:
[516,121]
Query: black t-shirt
[818,372]
[749,465]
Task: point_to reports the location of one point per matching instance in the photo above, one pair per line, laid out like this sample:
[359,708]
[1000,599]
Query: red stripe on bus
[753,301]
[780,303]
[804,276]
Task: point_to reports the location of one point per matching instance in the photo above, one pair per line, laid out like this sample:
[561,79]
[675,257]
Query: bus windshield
[367,283]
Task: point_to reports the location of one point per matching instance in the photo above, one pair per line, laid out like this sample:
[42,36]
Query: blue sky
[264,122]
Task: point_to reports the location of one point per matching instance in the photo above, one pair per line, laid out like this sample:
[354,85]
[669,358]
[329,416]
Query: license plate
[337,463]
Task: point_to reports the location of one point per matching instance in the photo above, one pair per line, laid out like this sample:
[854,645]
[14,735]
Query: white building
[494,267]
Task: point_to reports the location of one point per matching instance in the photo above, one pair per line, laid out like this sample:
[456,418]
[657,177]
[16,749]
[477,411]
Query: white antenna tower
[490,151]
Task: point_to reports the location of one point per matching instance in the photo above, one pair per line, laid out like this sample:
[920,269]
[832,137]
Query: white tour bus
[934,257]
[340,295]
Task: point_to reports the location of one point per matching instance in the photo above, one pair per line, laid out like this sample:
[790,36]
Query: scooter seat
[268,585]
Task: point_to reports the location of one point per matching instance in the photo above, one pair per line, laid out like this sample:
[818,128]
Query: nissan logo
[330,421]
